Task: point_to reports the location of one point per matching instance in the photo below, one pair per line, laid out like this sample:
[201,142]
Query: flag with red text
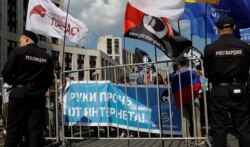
[45,18]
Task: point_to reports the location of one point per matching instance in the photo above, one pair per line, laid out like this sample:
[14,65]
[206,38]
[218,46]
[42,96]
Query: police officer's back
[29,70]
[226,64]
[28,64]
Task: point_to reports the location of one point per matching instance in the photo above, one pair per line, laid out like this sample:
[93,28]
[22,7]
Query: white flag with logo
[171,9]
[45,18]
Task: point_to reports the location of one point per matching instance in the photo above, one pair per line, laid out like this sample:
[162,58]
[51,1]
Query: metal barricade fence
[109,103]
[1,96]
[52,127]
[1,82]
[1,88]
[4,105]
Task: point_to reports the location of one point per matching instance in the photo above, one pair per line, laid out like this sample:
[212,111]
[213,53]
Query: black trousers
[229,106]
[25,114]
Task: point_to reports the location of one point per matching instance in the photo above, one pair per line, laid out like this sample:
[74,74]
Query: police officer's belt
[28,85]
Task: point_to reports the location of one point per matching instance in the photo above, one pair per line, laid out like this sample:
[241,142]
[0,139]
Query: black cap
[31,35]
[225,22]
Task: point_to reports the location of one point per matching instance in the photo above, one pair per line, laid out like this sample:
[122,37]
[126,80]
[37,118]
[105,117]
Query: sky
[105,17]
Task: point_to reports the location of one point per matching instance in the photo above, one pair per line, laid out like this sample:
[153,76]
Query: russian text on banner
[106,104]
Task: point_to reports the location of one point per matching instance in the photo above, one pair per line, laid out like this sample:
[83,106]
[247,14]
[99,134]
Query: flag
[194,54]
[206,1]
[184,87]
[171,9]
[45,18]
[155,30]
[143,57]
[196,13]
[239,10]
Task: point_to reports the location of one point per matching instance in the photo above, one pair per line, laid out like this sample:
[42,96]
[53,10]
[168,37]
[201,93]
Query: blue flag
[196,13]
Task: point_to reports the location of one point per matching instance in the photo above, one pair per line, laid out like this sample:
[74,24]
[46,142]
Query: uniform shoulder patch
[229,52]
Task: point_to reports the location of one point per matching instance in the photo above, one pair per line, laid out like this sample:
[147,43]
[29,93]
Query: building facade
[112,46]
[12,24]
[87,60]
[128,57]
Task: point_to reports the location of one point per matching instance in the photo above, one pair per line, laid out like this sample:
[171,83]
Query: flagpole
[64,39]
[206,23]
[155,55]
[63,68]
[191,39]
[125,75]
[179,27]
[158,93]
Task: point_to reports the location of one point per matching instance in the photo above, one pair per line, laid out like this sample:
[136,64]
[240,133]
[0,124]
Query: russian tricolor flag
[186,85]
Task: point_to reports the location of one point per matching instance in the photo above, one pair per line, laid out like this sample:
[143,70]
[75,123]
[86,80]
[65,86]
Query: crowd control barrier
[52,127]
[132,102]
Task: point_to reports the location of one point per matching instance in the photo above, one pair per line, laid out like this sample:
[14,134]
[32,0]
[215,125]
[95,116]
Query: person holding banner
[29,70]
[226,64]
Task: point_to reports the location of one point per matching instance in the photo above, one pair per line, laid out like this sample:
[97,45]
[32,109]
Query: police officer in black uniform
[29,70]
[226,64]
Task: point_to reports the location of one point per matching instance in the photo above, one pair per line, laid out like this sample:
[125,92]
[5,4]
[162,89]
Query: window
[117,59]
[42,38]
[92,61]
[80,61]
[11,46]
[12,16]
[55,40]
[80,65]
[68,61]
[25,8]
[55,56]
[103,63]
[109,46]
[117,46]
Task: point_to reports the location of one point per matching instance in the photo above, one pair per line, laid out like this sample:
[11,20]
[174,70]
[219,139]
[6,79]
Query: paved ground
[128,142]
[232,142]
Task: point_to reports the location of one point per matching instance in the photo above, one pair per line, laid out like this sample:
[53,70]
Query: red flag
[155,30]
[135,18]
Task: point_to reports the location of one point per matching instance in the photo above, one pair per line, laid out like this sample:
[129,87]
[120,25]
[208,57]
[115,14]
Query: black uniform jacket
[226,59]
[29,64]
